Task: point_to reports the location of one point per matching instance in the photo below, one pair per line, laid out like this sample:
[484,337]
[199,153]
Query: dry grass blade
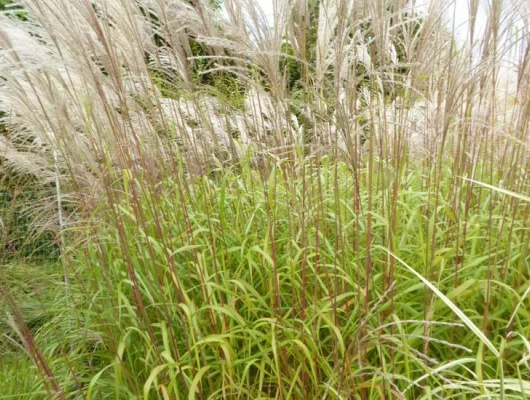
[500,190]
[463,317]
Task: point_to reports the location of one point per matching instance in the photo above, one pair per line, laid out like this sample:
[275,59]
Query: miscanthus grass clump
[250,286]
[330,205]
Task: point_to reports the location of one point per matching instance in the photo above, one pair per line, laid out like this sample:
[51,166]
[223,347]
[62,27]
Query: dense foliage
[332,207]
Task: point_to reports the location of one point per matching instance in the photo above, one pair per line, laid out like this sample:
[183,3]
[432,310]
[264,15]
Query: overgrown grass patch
[332,207]
[249,286]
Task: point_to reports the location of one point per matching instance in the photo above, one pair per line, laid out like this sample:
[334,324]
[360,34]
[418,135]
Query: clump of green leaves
[264,230]
[223,287]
